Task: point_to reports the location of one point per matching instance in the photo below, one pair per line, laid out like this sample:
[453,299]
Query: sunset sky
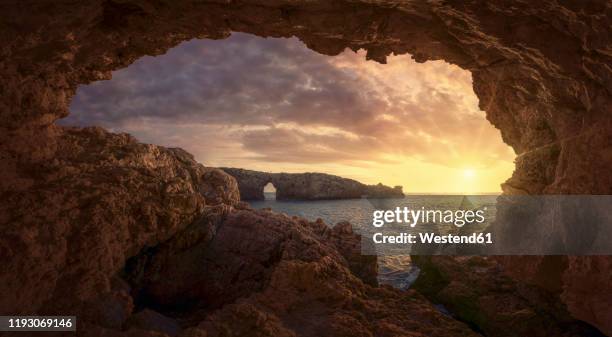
[273,105]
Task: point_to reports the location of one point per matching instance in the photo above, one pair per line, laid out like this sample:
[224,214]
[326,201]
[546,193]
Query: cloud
[241,80]
[247,99]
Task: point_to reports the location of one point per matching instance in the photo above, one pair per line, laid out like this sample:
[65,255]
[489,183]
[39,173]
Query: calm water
[394,270]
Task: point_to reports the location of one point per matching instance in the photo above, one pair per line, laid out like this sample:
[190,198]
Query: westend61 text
[409,238]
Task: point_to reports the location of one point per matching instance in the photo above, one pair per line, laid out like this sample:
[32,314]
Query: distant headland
[307,186]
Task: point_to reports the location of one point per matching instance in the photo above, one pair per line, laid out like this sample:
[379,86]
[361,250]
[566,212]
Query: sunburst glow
[274,105]
[469,173]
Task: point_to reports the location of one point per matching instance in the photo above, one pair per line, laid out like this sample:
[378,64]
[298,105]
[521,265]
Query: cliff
[78,204]
[141,240]
[307,186]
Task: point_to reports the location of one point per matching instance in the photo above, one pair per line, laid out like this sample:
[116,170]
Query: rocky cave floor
[213,266]
[135,238]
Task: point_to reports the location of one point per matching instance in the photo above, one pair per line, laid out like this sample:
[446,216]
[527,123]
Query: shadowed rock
[76,204]
[307,186]
[476,291]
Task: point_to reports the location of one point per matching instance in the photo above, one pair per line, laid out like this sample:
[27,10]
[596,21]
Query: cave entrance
[269,191]
[275,105]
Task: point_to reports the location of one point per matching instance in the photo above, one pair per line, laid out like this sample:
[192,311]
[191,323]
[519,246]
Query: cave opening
[552,106]
[272,104]
[275,105]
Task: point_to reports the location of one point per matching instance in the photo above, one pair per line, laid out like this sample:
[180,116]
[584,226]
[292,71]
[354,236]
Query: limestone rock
[583,282]
[476,290]
[150,320]
[267,274]
[307,186]
[99,201]
[143,241]
[74,209]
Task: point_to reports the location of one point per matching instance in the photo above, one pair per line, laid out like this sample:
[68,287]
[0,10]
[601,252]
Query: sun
[469,173]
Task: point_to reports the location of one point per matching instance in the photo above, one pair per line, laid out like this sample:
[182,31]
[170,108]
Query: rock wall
[140,240]
[102,198]
[307,186]
[541,70]
[77,204]
[480,294]
[257,273]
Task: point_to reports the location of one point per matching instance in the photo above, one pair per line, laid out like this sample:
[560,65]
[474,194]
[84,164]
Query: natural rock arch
[540,69]
[306,186]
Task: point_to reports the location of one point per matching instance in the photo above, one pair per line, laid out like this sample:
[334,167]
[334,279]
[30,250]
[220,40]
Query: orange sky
[273,105]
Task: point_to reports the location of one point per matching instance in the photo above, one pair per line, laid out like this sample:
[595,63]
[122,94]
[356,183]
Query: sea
[395,270]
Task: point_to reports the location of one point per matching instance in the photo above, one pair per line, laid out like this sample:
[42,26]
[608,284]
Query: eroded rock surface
[140,240]
[477,291]
[307,186]
[582,282]
[259,273]
[100,200]
[540,69]
[73,210]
